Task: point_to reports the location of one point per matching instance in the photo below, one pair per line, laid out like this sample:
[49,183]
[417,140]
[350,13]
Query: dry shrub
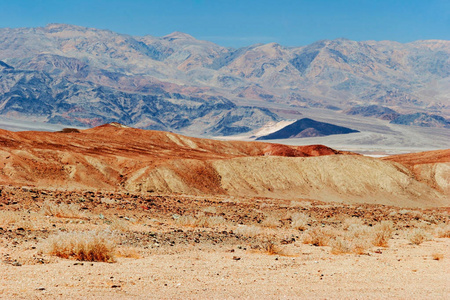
[382,232]
[62,210]
[360,246]
[271,221]
[340,245]
[443,231]
[351,222]
[186,220]
[249,230]
[359,231]
[349,244]
[299,221]
[318,236]
[9,217]
[417,236]
[119,225]
[437,256]
[84,246]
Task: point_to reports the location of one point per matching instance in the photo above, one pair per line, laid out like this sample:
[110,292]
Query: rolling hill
[114,157]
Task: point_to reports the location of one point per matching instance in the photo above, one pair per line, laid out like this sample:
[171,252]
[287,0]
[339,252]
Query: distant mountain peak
[306,128]
[178,35]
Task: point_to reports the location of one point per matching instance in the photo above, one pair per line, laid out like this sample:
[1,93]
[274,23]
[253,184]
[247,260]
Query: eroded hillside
[113,157]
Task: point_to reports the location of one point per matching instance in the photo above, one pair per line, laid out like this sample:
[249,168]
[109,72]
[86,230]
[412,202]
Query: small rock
[16,264]
[236,258]
[115,286]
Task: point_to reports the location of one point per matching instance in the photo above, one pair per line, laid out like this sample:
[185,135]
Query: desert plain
[120,213]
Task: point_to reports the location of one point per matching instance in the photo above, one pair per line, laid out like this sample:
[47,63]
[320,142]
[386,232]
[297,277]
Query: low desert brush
[349,244]
[351,222]
[318,236]
[62,210]
[271,221]
[299,221]
[443,231]
[417,236]
[119,225]
[9,217]
[382,232]
[273,249]
[249,230]
[84,246]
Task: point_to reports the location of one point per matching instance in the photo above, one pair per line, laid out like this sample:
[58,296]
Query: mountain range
[86,77]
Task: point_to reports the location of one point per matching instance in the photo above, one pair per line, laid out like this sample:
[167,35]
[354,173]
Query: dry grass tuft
[119,225]
[443,231]
[300,221]
[271,221]
[349,244]
[186,220]
[248,230]
[84,246]
[62,210]
[417,236]
[382,232]
[9,217]
[352,222]
[318,236]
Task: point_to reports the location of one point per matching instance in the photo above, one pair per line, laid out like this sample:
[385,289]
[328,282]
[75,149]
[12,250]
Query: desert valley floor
[114,212]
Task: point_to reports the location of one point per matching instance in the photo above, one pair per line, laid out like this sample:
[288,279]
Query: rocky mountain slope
[306,128]
[114,157]
[84,76]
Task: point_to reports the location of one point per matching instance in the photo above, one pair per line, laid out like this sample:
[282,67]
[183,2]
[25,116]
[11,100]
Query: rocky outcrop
[376,111]
[423,120]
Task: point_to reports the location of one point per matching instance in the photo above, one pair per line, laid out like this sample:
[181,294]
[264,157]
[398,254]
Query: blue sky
[239,23]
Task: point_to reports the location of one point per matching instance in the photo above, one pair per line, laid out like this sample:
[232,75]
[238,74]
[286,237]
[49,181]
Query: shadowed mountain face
[306,128]
[376,111]
[84,76]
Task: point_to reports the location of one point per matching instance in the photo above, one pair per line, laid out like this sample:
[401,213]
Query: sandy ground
[163,258]
[401,271]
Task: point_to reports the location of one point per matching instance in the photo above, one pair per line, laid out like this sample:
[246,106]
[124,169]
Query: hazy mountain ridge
[85,65]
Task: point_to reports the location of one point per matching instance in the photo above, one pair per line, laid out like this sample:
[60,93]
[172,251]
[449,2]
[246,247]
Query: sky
[234,23]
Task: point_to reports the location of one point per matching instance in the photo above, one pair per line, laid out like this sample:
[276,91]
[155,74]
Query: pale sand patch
[400,271]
